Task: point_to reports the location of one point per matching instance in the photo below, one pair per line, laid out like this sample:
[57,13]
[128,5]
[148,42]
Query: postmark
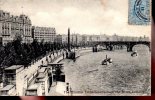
[139,12]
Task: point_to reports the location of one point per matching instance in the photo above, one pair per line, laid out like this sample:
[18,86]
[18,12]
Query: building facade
[64,38]
[45,34]
[58,39]
[12,26]
[76,39]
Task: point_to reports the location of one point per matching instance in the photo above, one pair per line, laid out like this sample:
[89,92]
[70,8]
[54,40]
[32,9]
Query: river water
[125,76]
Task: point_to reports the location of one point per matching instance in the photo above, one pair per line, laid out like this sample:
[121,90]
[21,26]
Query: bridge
[111,44]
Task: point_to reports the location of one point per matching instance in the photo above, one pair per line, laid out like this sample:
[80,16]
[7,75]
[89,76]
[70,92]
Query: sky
[81,16]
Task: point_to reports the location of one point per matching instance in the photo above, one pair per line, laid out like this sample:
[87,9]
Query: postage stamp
[139,12]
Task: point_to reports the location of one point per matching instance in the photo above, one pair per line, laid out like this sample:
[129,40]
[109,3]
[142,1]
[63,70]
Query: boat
[107,61]
[72,55]
[134,54]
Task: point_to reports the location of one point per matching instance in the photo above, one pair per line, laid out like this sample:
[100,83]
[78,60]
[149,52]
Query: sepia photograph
[75,47]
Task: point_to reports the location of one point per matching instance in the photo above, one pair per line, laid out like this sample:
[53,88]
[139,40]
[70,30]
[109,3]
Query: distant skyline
[81,16]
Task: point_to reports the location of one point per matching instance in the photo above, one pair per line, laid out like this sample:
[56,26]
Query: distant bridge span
[128,44]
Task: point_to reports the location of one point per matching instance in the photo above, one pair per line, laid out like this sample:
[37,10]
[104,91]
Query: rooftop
[41,75]
[33,87]
[42,70]
[40,80]
[52,64]
[8,87]
[14,67]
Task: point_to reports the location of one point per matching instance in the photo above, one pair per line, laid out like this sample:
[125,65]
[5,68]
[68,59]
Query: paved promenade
[34,66]
[60,88]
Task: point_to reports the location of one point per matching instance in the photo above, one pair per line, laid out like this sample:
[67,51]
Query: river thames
[126,75]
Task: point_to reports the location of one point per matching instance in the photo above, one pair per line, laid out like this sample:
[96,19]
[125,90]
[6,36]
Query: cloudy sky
[82,16]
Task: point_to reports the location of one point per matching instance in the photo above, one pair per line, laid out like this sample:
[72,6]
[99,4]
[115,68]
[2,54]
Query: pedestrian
[71,90]
[66,54]
[67,88]
[53,53]
[57,52]
[42,62]
[63,55]
[47,60]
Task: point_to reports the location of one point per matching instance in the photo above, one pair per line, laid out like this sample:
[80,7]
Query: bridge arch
[140,43]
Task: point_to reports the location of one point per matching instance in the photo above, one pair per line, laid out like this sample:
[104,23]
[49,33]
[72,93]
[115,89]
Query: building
[5,26]
[76,39]
[21,83]
[8,90]
[84,39]
[73,39]
[103,37]
[79,39]
[12,26]
[64,38]
[45,34]
[40,84]
[43,79]
[144,38]
[1,41]
[58,39]
[34,90]
[114,38]
[25,28]
[14,75]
